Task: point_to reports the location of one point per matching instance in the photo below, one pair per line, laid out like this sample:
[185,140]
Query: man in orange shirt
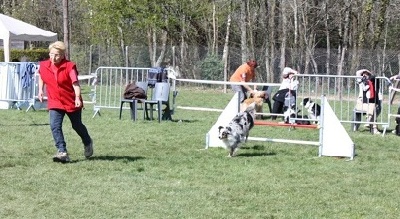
[244,73]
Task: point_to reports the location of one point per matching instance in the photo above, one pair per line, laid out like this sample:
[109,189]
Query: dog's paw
[231,154]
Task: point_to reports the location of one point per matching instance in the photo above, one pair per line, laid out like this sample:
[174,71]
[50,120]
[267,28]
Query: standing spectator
[368,99]
[60,76]
[395,77]
[244,73]
[286,92]
[397,129]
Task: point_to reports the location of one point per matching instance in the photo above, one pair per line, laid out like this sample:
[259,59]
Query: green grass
[147,169]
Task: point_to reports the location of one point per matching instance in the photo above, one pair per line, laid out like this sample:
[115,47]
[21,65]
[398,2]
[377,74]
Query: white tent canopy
[13,29]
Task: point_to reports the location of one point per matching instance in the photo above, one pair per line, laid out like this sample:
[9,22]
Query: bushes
[32,55]
[212,68]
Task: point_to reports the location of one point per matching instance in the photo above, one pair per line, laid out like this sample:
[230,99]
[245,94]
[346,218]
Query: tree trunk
[296,50]
[345,41]
[249,23]
[226,47]
[243,30]
[164,38]
[344,44]
[270,47]
[214,40]
[328,43]
[66,28]
[183,49]
[365,20]
[152,40]
[381,22]
[283,37]
[150,45]
[121,42]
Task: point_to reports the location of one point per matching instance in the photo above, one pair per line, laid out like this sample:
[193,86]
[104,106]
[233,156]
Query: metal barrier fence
[17,84]
[111,82]
[342,92]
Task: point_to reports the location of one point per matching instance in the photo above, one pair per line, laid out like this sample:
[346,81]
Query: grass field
[147,169]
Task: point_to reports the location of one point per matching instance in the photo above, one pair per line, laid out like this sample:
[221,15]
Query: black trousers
[277,109]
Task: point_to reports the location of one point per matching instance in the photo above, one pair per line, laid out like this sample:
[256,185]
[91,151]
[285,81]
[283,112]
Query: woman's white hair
[58,45]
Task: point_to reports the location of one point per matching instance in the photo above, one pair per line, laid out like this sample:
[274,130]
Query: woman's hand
[78,102]
[40,95]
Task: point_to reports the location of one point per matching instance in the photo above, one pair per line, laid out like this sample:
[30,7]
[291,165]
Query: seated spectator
[397,129]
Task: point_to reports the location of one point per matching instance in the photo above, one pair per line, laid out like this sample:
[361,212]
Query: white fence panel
[17,84]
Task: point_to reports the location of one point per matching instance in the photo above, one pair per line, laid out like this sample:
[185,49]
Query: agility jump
[337,145]
[268,123]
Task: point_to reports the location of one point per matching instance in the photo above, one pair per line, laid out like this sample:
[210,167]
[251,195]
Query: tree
[66,27]
[243,31]
[276,32]
[226,47]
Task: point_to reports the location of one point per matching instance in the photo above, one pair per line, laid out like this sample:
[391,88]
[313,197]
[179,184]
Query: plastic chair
[160,96]
[133,102]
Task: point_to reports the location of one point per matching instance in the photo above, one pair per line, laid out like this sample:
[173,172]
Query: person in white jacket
[286,95]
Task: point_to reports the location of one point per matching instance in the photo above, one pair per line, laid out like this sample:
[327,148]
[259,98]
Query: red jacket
[60,92]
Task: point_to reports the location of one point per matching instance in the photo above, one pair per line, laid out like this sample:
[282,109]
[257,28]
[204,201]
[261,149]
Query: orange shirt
[243,69]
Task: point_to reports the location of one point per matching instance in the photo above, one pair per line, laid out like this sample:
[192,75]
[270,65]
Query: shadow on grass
[256,154]
[22,125]
[174,120]
[255,147]
[184,120]
[367,131]
[115,158]
[41,124]
[108,158]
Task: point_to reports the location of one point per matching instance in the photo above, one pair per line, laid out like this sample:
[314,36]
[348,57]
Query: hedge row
[32,55]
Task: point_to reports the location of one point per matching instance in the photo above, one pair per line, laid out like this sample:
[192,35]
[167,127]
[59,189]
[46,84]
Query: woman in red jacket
[60,77]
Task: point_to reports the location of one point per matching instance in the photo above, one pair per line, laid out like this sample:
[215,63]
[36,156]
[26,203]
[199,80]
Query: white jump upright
[335,141]
[224,118]
[333,138]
